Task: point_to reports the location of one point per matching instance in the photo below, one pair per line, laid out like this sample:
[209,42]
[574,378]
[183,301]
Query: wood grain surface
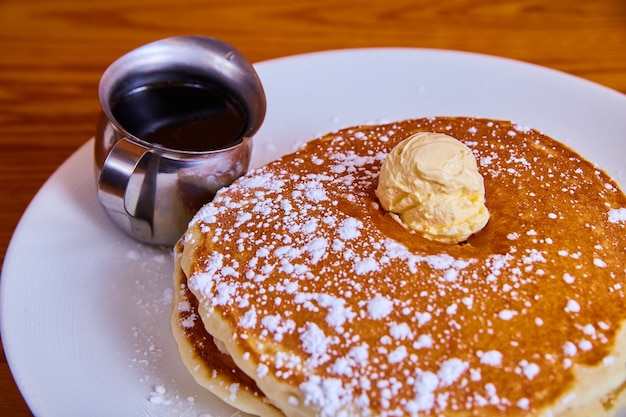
[52,53]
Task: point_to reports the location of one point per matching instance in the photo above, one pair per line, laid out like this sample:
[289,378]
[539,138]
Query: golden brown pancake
[330,307]
[211,368]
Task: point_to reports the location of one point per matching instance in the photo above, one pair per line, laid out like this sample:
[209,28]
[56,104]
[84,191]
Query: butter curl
[431,181]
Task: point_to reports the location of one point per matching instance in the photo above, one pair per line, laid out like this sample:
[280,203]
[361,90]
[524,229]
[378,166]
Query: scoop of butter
[431,181]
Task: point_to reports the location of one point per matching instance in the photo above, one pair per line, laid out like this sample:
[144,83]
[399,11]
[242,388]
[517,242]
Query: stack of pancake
[298,295]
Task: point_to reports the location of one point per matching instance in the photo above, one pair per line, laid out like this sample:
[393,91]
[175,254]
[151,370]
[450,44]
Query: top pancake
[330,305]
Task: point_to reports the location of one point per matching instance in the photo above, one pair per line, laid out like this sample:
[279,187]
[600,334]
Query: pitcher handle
[120,164]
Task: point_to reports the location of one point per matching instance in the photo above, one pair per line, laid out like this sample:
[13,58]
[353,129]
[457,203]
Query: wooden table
[52,54]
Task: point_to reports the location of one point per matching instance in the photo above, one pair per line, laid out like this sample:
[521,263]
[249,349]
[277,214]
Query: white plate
[85,310]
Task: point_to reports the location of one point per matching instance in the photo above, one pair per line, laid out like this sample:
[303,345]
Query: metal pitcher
[151,185]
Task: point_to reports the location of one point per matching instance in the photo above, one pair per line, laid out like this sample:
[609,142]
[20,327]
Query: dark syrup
[183,116]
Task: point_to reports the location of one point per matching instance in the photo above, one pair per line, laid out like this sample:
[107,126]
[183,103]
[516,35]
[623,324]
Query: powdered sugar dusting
[617,215]
[379,307]
[142,300]
[376,321]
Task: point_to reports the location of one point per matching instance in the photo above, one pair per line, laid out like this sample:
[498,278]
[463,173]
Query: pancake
[210,366]
[323,304]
